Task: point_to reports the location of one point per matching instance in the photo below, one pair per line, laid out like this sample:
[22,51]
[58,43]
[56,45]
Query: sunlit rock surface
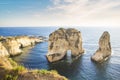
[3,51]
[13,45]
[62,40]
[104,50]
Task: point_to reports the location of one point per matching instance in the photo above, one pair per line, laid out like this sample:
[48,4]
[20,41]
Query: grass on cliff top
[44,71]
[15,74]
[17,70]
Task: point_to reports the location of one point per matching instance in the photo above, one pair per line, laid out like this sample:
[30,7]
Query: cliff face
[3,50]
[24,41]
[104,50]
[27,41]
[62,40]
[13,45]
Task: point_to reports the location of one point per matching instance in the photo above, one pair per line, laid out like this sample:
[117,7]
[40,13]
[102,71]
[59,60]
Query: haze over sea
[80,69]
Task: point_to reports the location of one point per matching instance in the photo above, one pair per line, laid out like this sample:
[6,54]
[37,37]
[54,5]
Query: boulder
[62,40]
[104,50]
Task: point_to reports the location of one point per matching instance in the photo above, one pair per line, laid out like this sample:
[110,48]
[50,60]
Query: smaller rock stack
[104,50]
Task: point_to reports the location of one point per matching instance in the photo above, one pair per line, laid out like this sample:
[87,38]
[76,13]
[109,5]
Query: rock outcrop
[104,50]
[10,70]
[62,40]
[13,45]
[27,41]
[3,50]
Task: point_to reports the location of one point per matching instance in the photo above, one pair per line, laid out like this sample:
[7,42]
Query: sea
[80,69]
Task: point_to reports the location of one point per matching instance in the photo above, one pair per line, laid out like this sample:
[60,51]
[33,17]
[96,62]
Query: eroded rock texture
[104,50]
[13,45]
[3,50]
[62,40]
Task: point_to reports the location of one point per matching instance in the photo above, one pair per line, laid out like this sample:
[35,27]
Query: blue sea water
[80,69]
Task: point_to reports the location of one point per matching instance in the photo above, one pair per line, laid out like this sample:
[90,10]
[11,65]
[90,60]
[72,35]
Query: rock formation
[104,50]
[13,45]
[1,38]
[3,50]
[62,40]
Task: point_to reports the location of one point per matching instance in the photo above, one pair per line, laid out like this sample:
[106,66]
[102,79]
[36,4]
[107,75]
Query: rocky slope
[9,70]
[104,50]
[62,40]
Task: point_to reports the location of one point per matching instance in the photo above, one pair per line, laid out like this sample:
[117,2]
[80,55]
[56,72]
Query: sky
[60,13]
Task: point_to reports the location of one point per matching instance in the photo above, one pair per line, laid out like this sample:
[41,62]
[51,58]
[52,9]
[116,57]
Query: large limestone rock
[62,40]
[3,51]
[104,50]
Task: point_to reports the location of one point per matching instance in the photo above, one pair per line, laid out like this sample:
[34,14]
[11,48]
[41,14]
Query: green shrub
[10,77]
[19,69]
[13,63]
[43,71]
[54,71]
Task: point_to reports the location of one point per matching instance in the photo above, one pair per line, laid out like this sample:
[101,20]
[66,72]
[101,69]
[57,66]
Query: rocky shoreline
[10,70]
[13,45]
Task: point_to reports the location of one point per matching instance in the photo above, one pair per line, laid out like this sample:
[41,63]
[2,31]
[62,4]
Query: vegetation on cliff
[10,70]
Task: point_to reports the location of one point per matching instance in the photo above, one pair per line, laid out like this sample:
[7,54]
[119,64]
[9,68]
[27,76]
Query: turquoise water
[80,69]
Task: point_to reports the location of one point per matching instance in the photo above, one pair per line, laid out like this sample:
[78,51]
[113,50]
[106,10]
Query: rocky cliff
[13,45]
[104,50]
[62,40]
[3,50]
[10,70]
[25,41]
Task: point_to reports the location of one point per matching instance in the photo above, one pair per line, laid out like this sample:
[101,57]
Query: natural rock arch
[62,40]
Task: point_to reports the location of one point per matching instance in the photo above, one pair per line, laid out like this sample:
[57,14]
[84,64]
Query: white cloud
[86,11]
[81,7]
